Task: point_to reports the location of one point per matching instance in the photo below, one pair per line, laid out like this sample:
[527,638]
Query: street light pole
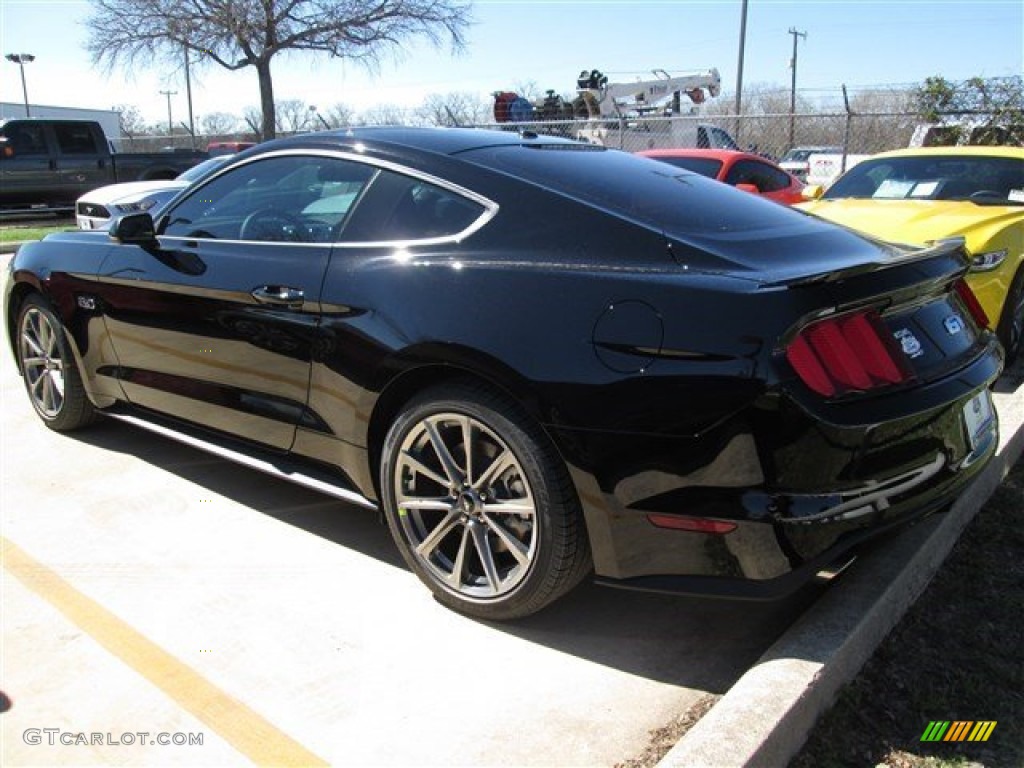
[188,91]
[21,59]
[170,124]
[792,89]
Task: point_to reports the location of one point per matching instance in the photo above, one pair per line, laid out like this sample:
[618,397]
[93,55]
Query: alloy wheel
[465,505]
[41,363]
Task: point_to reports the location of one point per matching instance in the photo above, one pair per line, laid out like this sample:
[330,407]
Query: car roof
[988,151]
[718,154]
[445,141]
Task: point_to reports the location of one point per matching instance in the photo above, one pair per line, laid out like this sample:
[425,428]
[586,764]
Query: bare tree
[384,114]
[131,121]
[453,109]
[254,119]
[249,33]
[218,123]
[339,116]
[293,116]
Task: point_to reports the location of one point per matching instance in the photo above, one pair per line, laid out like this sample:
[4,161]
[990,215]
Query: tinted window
[933,177]
[705,166]
[761,175]
[302,199]
[400,207]
[651,193]
[26,139]
[75,138]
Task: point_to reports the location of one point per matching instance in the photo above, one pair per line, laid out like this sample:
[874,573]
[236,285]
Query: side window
[762,176]
[404,208]
[75,139]
[26,139]
[294,198]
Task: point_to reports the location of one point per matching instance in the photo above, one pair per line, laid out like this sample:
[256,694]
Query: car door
[82,158]
[217,323]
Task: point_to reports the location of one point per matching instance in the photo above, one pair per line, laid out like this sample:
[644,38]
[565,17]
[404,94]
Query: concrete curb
[764,719]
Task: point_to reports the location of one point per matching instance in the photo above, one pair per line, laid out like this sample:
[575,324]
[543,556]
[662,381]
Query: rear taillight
[963,290]
[852,353]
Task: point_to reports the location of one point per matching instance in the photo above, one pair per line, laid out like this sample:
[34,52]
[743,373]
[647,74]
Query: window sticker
[893,188]
[1016,195]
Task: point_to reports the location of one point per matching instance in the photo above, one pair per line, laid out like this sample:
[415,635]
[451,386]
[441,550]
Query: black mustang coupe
[539,358]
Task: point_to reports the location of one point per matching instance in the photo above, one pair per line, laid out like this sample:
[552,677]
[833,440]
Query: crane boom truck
[630,115]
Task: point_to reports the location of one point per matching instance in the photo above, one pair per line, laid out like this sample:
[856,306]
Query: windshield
[198,171]
[981,179]
[802,154]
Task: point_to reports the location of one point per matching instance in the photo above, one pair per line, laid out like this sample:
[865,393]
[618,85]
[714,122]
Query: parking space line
[243,728]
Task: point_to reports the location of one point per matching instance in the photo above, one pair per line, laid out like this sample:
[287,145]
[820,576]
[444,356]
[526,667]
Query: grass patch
[17,234]
[958,654]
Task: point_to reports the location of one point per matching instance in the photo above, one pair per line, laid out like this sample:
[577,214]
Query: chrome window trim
[490,207]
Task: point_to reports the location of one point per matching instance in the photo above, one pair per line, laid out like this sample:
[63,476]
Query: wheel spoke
[37,385]
[450,467]
[502,462]
[57,379]
[415,464]
[430,543]
[455,579]
[439,505]
[33,361]
[467,442]
[33,343]
[515,546]
[483,550]
[514,507]
[47,393]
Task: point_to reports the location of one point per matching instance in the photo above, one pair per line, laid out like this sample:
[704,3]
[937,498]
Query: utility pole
[170,123]
[739,67]
[792,89]
[188,91]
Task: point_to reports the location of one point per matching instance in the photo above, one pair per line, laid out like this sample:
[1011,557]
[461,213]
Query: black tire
[1011,324]
[49,370]
[448,523]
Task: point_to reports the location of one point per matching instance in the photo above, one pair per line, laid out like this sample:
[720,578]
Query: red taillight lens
[847,354]
[966,294]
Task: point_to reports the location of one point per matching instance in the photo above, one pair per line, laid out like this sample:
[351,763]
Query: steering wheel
[983,194]
[273,226]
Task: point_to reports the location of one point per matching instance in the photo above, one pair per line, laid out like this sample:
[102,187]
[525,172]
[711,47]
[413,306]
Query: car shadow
[665,638]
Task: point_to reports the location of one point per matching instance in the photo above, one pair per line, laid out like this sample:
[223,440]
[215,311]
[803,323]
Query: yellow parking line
[240,726]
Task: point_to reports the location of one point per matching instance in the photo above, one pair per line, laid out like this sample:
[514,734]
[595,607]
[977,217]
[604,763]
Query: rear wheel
[480,504]
[1011,324]
[48,368]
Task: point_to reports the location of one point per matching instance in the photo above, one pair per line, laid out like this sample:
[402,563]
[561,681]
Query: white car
[797,160]
[95,209]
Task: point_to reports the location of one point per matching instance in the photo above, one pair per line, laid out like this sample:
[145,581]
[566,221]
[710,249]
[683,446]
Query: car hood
[913,221]
[132,190]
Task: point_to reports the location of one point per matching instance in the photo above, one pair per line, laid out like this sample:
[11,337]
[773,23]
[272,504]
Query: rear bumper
[802,493]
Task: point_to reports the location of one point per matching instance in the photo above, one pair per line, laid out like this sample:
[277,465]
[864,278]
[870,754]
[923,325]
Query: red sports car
[740,169]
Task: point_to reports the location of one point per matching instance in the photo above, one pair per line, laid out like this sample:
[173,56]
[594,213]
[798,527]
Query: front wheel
[51,376]
[1011,324]
[480,504]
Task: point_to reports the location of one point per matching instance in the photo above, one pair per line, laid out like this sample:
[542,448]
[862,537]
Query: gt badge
[953,325]
[911,346]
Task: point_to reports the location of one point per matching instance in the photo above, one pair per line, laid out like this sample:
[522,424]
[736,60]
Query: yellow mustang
[917,195]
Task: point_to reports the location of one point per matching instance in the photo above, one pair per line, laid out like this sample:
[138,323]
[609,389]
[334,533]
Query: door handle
[279,296]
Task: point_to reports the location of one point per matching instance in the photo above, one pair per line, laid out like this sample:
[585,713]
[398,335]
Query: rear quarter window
[643,190]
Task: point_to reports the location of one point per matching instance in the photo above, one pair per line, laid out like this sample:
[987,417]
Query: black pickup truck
[50,163]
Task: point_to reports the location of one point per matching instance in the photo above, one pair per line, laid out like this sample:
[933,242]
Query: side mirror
[752,188]
[812,192]
[133,228]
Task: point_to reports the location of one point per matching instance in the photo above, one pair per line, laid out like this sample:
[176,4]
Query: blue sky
[858,43]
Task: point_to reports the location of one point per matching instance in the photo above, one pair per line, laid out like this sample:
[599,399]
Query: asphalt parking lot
[152,593]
